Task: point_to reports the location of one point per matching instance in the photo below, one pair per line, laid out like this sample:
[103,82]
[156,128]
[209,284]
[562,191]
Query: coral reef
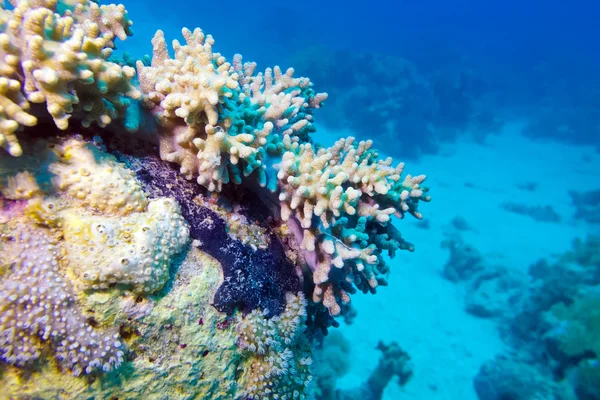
[252,278]
[360,231]
[575,326]
[55,52]
[565,111]
[549,321]
[277,352]
[539,213]
[507,379]
[172,230]
[465,261]
[96,180]
[221,123]
[38,306]
[219,146]
[134,250]
[489,288]
[332,362]
[154,321]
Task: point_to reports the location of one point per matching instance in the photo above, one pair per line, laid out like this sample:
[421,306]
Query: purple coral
[37,306]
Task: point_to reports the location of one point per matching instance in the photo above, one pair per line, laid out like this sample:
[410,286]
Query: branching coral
[184,93]
[333,198]
[54,52]
[221,123]
[99,221]
[213,127]
[286,101]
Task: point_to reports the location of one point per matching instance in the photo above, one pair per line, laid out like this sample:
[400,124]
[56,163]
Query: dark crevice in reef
[252,278]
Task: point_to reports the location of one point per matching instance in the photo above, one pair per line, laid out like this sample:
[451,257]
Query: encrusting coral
[95,179]
[130,258]
[135,250]
[38,306]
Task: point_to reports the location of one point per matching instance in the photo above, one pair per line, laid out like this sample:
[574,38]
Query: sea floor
[425,313]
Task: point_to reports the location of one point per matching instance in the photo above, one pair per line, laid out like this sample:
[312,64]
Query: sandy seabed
[425,313]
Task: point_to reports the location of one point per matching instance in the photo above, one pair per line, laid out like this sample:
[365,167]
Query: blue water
[499,103]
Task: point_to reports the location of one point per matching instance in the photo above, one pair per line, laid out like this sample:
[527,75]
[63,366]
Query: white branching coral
[214,129]
[185,93]
[340,180]
[281,96]
[38,308]
[278,358]
[213,171]
[339,202]
[190,85]
[54,52]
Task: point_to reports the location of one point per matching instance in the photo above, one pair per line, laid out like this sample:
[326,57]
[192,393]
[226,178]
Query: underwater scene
[377,201]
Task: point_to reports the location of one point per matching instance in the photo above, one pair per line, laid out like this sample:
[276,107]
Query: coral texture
[135,250]
[278,355]
[37,305]
[222,123]
[54,52]
[95,180]
[202,254]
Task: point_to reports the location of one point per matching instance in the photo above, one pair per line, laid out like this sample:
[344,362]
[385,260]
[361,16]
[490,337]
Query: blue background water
[498,33]
[516,83]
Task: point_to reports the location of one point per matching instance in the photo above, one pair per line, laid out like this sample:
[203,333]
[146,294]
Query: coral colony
[171,229]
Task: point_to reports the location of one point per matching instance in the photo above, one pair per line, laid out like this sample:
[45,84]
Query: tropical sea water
[499,104]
